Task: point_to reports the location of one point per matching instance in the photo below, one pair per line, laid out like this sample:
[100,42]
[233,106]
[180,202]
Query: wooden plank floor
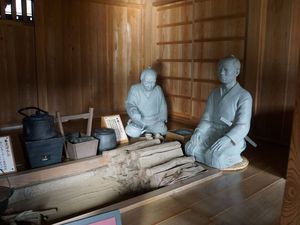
[251,196]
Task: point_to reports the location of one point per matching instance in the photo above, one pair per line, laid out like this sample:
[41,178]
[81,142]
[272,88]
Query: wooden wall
[76,54]
[272,66]
[189,38]
[290,210]
[290,213]
[88,54]
[82,53]
[17,69]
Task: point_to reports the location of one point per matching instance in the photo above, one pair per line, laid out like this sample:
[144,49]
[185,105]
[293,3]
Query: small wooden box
[181,134]
[83,149]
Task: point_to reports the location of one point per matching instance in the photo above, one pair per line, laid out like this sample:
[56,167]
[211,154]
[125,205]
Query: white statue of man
[146,107]
[214,142]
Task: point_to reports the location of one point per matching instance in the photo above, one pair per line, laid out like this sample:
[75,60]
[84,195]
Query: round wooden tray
[238,166]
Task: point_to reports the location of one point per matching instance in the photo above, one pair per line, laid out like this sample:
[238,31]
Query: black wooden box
[44,152]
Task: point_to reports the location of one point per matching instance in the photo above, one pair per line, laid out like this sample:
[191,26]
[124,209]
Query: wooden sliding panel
[89,52]
[17,65]
[176,87]
[174,54]
[191,36]
[173,70]
[219,30]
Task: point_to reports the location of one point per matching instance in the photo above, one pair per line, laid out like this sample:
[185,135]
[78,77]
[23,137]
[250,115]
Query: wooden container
[83,149]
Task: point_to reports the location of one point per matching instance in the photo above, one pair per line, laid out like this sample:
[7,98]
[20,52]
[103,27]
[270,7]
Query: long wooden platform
[251,196]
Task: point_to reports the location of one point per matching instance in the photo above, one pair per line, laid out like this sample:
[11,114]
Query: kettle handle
[20,111]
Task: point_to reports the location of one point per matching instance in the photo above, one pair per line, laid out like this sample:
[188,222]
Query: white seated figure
[146,107]
[214,142]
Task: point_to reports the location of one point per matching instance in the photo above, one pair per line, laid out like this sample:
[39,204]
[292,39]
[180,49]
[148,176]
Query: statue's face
[149,82]
[227,72]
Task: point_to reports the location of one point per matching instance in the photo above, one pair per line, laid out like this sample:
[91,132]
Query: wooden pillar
[13,9]
[2,9]
[256,28]
[272,66]
[290,213]
[24,10]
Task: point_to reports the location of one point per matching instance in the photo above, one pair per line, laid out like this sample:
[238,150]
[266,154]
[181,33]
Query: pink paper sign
[110,221]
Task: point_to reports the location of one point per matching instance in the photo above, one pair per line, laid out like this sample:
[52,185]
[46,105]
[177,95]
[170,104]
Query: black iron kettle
[37,126]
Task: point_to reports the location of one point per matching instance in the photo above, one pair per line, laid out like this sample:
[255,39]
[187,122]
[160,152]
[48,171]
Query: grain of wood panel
[164,208]
[18,77]
[135,54]
[126,3]
[230,195]
[201,90]
[272,108]
[224,183]
[255,48]
[186,217]
[124,36]
[172,4]
[87,59]
[40,175]
[219,49]
[180,12]
[175,51]
[220,28]
[264,204]
[49,61]
[210,201]
[198,108]
[171,69]
[212,30]
[175,33]
[65,194]
[205,70]
[178,106]
[292,71]
[291,203]
[74,78]
[222,208]
[118,18]
[177,87]
[215,8]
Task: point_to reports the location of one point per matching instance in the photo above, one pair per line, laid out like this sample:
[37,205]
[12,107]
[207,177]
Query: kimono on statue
[148,102]
[234,106]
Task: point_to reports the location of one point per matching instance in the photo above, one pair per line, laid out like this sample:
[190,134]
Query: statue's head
[148,79]
[228,69]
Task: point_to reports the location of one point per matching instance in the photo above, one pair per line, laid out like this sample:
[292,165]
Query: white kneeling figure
[213,142]
[146,107]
